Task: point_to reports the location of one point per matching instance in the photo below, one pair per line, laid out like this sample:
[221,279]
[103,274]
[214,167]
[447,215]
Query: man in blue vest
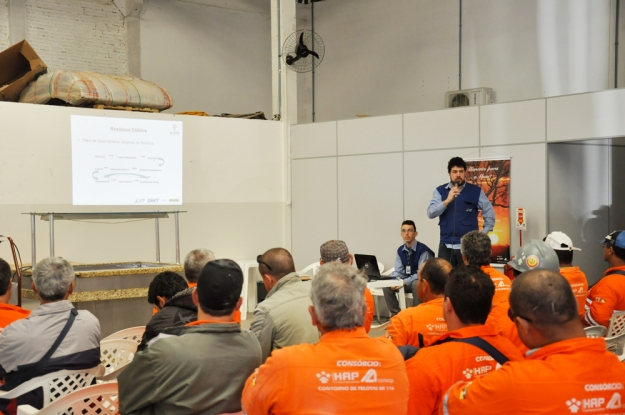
[410,258]
[457,204]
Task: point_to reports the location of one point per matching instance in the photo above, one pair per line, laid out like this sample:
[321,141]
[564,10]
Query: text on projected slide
[122,161]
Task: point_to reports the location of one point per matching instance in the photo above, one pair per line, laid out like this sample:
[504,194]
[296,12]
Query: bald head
[544,297]
[436,272]
[276,262]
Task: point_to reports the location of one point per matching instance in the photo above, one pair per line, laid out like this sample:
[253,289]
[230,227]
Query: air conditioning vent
[468,97]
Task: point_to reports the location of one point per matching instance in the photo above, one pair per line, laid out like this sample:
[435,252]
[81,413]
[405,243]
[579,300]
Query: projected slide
[122,161]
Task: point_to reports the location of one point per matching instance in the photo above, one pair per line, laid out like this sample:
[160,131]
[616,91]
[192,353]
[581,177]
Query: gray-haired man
[194,263]
[346,372]
[25,344]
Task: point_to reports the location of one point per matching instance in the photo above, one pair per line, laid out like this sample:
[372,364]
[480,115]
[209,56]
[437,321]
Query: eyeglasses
[513,316]
[260,261]
[407,231]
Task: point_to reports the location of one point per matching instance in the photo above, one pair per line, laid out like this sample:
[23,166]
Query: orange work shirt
[434,369]
[425,319]
[502,284]
[9,313]
[604,298]
[499,320]
[370,309]
[574,376]
[346,372]
[579,285]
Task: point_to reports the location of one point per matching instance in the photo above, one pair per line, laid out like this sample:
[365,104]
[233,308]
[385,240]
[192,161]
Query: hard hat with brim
[535,255]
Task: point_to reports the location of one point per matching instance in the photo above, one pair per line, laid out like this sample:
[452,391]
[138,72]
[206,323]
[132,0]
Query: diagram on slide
[121,161]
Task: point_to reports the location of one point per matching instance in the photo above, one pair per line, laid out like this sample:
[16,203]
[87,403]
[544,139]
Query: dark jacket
[178,311]
[195,370]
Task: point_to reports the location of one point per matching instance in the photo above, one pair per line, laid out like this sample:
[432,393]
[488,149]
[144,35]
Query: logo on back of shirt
[323,377]
[370,377]
[468,373]
[573,405]
[615,401]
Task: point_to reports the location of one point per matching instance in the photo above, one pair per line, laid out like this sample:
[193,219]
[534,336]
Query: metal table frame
[52,216]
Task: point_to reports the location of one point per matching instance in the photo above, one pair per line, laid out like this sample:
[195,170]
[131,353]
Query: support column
[284,96]
[17,21]
[132,11]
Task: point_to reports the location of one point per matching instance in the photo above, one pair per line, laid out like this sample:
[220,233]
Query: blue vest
[414,257]
[464,207]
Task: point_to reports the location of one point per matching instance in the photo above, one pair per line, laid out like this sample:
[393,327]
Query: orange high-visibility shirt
[192,284]
[604,298]
[579,285]
[346,372]
[425,319]
[370,309]
[499,320]
[574,376]
[502,284]
[9,313]
[434,369]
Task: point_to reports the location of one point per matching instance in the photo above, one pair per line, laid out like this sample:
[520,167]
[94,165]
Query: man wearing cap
[282,319]
[336,251]
[608,294]
[457,205]
[564,248]
[346,372]
[200,367]
[411,256]
[533,255]
[566,373]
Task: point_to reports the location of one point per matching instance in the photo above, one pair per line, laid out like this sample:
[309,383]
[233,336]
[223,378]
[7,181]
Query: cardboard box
[19,65]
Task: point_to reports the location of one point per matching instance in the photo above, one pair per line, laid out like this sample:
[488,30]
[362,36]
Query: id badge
[408,270]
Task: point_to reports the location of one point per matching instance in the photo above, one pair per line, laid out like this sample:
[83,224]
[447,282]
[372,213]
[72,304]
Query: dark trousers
[452,255]
[390,296]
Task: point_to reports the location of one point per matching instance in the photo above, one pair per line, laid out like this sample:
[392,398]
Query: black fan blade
[290,60]
[312,52]
[301,39]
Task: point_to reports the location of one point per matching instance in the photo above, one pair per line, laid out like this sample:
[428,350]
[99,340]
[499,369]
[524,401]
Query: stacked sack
[80,88]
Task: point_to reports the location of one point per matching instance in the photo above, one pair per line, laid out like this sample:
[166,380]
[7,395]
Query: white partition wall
[388,168]
[373,197]
[232,189]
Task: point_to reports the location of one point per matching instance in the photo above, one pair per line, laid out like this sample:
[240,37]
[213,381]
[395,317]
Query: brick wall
[4,25]
[77,34]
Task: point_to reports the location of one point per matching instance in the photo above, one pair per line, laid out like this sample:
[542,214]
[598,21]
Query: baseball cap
[616,238]
[560,242]
[334,250]
[219,285]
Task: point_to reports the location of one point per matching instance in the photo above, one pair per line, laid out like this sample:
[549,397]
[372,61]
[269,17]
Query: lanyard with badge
[408,267]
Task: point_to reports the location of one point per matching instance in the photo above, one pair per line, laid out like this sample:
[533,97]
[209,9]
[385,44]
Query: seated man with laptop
[410,258]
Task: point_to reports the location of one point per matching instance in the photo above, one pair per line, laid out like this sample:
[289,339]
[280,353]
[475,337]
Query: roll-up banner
[493,176]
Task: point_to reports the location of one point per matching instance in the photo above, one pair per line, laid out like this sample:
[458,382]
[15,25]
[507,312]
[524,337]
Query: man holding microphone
[457,205]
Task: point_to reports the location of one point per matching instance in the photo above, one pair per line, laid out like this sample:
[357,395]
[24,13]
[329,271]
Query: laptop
[368,264]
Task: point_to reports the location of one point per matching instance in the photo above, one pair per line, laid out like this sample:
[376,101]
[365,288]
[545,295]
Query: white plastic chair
[310,270]
[615,345]
[617,324]
[55,385]
[595,331]
[97,399]
[115,355]
[132,333]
